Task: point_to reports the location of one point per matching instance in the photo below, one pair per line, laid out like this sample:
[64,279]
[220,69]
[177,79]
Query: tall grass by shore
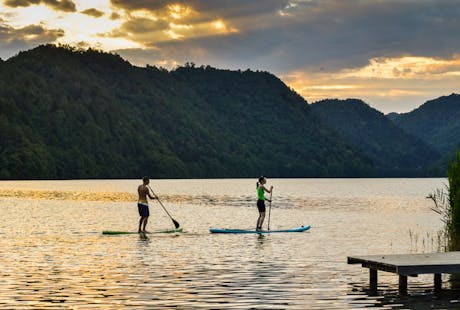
[447,205]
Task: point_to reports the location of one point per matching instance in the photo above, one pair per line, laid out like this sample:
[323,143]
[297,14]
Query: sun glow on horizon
[383,79]
[407,67]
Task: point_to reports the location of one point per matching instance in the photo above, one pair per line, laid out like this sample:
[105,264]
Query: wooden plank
[411,264]
[382,267]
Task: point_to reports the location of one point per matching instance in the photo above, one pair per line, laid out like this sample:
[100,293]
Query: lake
[53,254]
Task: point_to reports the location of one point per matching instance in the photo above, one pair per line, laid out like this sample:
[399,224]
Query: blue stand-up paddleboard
[166,231]
[247,231]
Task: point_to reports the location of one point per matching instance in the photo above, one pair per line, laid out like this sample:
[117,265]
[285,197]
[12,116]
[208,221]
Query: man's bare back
[142,204]
[143,192]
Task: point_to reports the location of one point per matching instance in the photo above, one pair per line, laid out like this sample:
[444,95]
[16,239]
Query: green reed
[428,243]
[447,205]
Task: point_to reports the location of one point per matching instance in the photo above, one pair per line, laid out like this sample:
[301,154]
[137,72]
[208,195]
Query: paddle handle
[176,224]
[270,208]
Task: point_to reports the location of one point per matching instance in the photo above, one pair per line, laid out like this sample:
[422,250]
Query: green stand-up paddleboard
[167,231]
[248,231]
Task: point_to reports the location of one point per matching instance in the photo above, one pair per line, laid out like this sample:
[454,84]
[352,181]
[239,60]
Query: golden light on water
[67,195]
[100,196]
[53,255]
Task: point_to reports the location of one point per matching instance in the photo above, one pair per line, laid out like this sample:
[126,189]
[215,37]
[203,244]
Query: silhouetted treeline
[67,113]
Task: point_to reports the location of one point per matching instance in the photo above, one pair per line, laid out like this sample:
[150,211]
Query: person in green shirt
[261,200]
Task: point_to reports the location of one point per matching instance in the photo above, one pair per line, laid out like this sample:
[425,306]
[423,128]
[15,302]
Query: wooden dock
[409,265]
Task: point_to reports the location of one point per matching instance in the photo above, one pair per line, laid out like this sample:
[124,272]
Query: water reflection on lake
[53,254]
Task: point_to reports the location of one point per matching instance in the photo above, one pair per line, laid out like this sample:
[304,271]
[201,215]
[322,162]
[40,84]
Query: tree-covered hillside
[67,113]
[437,122]
[394,152]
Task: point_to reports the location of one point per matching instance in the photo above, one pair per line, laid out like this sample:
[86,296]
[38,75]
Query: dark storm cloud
[13,40]
[93,12]
[347,33]
[62,5]
[318,34]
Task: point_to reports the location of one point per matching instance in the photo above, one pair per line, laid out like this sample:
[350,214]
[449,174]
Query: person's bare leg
[145,223]
[262,217]
[260,220]
[140,224]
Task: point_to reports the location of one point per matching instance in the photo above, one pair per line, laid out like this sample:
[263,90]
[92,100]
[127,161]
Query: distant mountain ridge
[437,122]
[67,113]
[392,150]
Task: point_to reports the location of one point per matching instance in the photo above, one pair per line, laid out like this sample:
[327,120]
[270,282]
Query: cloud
[144,25]
[198,18]
[143,30]
[406,67]
[93,12]
[388,84]
[282,36]
[20,3]
[170,23]
[211,9]
[115,16]
[140,4]
[59,5]
[13,40]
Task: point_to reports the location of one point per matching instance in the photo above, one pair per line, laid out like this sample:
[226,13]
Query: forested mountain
[67,113]
[437,122]
[394,152]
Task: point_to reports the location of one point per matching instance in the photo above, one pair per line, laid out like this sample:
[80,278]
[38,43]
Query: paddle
[176,224]
[270,208]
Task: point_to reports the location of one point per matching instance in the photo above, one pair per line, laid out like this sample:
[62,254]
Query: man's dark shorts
[143,210]
[261,205]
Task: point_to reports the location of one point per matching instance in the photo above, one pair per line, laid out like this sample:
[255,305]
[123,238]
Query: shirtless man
[142,204]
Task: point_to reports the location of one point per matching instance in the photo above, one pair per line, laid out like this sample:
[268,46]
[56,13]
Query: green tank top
[260,193]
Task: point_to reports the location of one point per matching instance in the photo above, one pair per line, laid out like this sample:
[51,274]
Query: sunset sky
[393,54]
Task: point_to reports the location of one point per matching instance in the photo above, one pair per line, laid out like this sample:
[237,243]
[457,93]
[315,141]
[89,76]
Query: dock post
[437,282]
[373,281]
[402,285]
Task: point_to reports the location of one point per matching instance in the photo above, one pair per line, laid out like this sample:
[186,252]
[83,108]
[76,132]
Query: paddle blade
[175,223]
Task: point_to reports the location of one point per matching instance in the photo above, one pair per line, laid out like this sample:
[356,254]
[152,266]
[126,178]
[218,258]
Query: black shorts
[143,210]
[261,205]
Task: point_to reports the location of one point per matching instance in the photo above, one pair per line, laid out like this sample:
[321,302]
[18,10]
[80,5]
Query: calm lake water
[53,254]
